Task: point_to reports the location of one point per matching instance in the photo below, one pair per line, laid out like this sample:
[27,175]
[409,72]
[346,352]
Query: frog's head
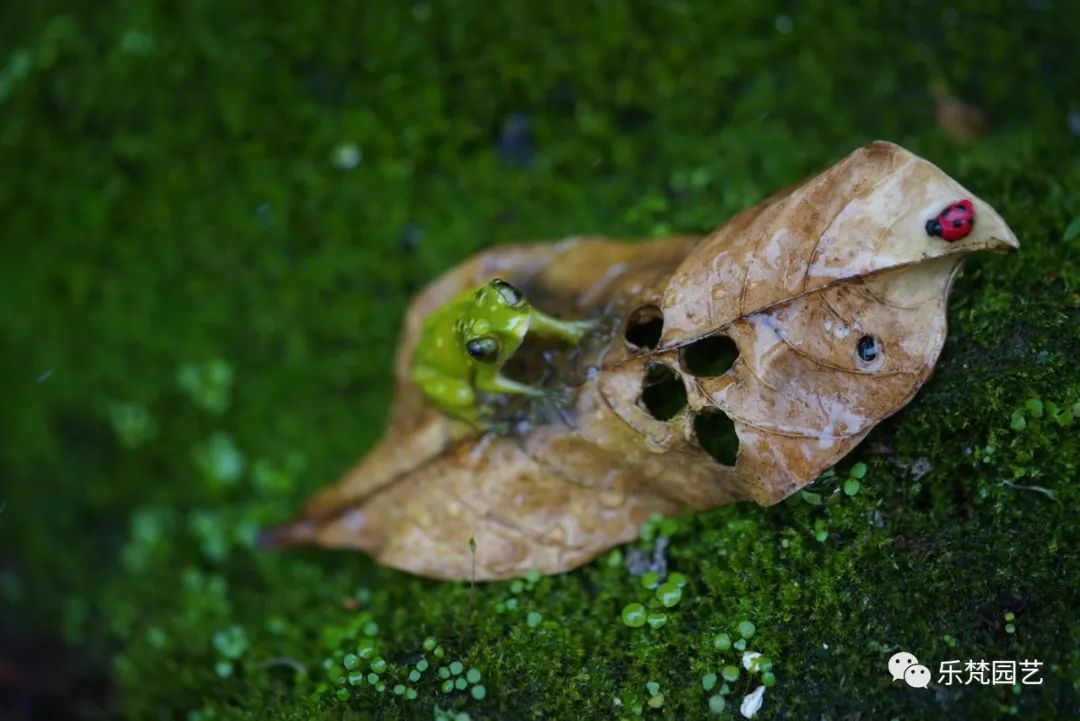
[495,323]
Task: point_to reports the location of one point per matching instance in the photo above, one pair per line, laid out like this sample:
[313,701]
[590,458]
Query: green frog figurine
[466,342]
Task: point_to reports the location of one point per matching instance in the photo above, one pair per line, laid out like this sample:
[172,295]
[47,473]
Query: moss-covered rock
[213,218]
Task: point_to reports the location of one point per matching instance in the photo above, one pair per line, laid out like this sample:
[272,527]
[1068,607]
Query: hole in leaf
[709,357]
[644,327]
[868,349]
[662,392]
[716,434]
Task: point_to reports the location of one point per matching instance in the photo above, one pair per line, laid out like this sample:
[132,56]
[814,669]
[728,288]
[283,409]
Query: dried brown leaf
[797,283]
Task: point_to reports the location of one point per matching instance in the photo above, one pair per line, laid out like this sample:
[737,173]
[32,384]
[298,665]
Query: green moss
[213,221]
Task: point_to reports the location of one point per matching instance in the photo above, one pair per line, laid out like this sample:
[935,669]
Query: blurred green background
[214,213]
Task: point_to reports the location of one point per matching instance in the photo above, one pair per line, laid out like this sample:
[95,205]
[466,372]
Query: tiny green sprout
[740,645]
[220,460]
[231,643]
[133,424]
[650,580]
[462,717]
[730,673]
[342,694]
[533,619]
[1010,628]
[653,687]
[648,529]
[655,619]
[350,661]
[414,675]
[410,693]
[717,704]
[378,664]
[399,689]
[356,678]
[814,499]
[371,629]
[1034,406]
[460,683]
[223,668]
[373,678]
[679,579]
[516,586]
[473,675]
[1064,417]
[614,559]
[668,526]
[472,544]
[858,471]
[821,531]
[277,625]
[746,629]
[768,679]
[533,576]
[422,665]
[656,701]
[722,642]
[633,615]
[669,594]
[155,635]
[380,687]
[439,652]
[1017,422]
[1072,230]
[478,692]
[448,686]
[429,643]
[851,486]
[511,604]
[708,681]
[444,672]
[365,651]
[456,668]
[764,663]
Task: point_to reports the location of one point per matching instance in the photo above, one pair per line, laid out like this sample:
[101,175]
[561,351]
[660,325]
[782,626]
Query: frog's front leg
[490,381]
[568,331]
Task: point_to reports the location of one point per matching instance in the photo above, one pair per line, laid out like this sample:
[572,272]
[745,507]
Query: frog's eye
[485,349]
[509,293]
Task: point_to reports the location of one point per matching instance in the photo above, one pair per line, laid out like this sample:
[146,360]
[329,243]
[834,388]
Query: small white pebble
[752,701]
[749,658]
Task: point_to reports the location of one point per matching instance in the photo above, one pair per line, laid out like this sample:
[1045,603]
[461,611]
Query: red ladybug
[953,223]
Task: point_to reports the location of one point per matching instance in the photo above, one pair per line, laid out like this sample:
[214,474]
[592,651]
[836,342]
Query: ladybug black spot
[958,224]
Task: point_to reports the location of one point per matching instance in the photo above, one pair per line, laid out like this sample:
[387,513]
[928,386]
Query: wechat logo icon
[904,665]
